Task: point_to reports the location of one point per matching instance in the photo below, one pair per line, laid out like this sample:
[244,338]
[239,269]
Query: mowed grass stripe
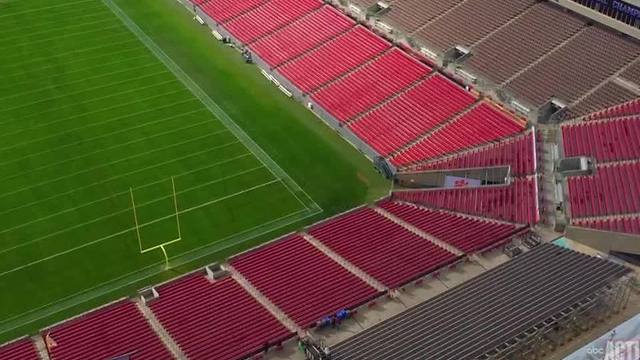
[93,222]
[91,157]
[107,101]
[59,44]
[49,9]
[56,70]
[65,47]
[210,174]
[55,33]
[158,77]
[151,159]
[45,23]
[166,118]
[94,80]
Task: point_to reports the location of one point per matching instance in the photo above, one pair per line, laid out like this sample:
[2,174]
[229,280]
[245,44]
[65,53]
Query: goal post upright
[177,217]
[135,218]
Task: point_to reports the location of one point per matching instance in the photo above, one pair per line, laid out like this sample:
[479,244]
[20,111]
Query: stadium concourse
[434,88]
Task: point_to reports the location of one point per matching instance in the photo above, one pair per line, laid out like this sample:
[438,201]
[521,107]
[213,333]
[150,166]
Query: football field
[100,130]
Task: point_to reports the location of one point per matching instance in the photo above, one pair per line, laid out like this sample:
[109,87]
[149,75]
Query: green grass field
[93,106]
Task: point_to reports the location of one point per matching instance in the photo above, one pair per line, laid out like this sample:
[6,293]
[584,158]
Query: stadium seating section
[301,281]
[411,114]
[107,333]
[626,224]
[224,10]
[269,17]
[333,59]
[215,319]
[23,349]
[468,23]
[465,233]
[482,124]
[301,36]
[609,94]
[628,108]
[614,189]
[409,15]
[519,153]
[383,249]
[570,72]
[371,84]
[516,202]
[607,140]
[514,47]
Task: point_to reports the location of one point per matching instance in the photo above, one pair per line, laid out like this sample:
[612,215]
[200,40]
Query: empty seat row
[301,281]
[626,224]
[269,17]
[23,349]
[519,153]
[409,15]
[215,319]
[605,140]
[516,202]
[111,332]
[301,36]
[333,59]
[608,95]
[371,84]
[614,189]
[574,69]
[465,233]
[468,23]
[381,248]
[224,10]
[515,46]
[480,125]
[411,114]
[631,107]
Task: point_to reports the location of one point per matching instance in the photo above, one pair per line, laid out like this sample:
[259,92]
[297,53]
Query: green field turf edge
[328,169]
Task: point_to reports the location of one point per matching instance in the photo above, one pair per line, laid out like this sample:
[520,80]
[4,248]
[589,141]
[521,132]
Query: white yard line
[126,192]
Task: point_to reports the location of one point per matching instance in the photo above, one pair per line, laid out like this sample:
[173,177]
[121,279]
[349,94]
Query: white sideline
[184,211]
